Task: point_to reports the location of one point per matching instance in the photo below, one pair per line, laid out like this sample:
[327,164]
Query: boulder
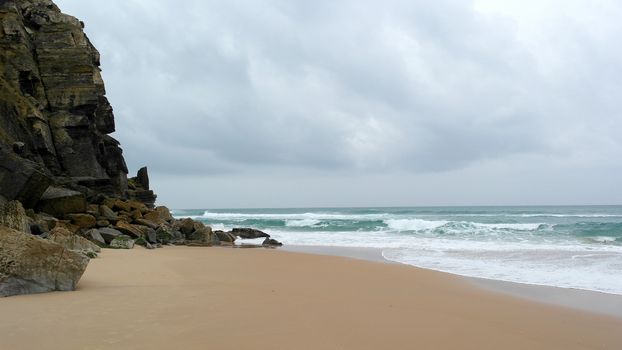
[154,217]
[165,213]
[120,205]
[83,220]
[22,179]
[107,213]
[142,178]
[271,242]
[108,234]
[58,201]
[147,223]
[102,223]
[225,236]
[186,226]
[29,264]
[122,242]
[95,236]
[74,242]
[166,234]
[249,233]
[13,215]
[128,229]
[203,235]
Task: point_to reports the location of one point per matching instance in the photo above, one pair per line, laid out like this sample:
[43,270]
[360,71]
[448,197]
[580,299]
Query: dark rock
[29,264]
[37,229]
[147,223]
[83,220]
[166,234]
[107,213]
[186,226]
[59,202]
[225,236]
[143,178]
[102,223]
[18,147]
[21,179]
[108,234]
[53,106]
[249,233]
[120,205]
[128,229]
[201,235]
[271,242]
[95,236]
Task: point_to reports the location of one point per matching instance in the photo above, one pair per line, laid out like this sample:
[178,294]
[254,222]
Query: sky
[239,104]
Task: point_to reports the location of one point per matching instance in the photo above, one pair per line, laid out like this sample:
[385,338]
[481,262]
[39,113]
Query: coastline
[578,299]
[193,298]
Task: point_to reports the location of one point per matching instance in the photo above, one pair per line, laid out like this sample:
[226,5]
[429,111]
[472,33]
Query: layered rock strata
[55,119]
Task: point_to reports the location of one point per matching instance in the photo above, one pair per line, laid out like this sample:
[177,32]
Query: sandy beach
[202,298]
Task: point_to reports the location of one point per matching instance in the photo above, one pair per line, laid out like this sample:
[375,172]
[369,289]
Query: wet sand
[214,298]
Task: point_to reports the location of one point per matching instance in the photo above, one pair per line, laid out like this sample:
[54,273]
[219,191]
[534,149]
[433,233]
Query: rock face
[54,115]
[29,264]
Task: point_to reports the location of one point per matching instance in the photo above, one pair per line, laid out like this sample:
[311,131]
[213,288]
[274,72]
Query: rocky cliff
[55,119]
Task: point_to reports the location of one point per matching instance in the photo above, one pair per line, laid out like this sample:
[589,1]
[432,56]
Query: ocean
[564,246]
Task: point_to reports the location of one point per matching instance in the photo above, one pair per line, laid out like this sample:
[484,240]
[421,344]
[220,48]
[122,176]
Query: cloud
[216,88]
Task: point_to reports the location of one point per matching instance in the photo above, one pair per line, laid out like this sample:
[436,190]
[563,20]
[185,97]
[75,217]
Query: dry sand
[212,298]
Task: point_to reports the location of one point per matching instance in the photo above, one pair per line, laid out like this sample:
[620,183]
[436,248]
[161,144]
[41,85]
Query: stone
[58,201]
[202,235]
[147,223]
[95,236]
[128,229]
[225,236]
[37,229]
[54,110]
[102,223]
[107,213]
[73,242]
[122,242]
[67,225]
[21,179]
[13,215]
[83,220]
[29,264]
[271,242]
[164,213]
[154,217]
[108,234]
[143,178]
[186,226]
[120,205]
[136,205]
[167,234]
[249,233]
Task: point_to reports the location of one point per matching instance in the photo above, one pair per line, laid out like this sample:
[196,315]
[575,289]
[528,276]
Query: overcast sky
[281,103]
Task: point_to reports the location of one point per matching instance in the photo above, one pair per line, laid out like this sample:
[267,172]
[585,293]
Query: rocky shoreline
[64,189]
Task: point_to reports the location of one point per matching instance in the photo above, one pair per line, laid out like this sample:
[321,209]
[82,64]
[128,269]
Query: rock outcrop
[29,264]
[55,119]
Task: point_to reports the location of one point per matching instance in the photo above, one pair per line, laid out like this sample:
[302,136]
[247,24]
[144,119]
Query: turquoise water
[573,246]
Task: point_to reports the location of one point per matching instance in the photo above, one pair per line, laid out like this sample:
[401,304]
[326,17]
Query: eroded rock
[29,264]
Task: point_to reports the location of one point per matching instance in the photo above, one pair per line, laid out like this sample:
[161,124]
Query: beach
[219,298]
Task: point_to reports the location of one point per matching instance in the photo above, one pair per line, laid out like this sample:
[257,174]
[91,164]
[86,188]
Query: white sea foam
[413,224]
[302,222]
[517,227]
[293,216]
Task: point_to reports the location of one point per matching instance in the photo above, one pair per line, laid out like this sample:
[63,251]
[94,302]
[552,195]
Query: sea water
[564,246]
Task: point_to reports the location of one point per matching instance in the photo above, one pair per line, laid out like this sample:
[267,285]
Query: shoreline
[576,299]
[197,298]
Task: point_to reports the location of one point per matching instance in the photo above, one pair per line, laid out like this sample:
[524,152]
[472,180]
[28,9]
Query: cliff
[55,119]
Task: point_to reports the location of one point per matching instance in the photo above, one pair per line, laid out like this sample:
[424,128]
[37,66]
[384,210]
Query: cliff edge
[55,119]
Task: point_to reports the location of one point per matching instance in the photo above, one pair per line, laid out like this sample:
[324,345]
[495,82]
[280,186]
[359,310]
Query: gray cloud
[399,89]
